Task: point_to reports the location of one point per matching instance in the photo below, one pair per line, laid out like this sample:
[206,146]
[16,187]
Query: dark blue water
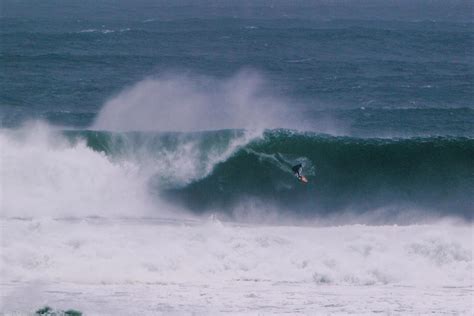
[61,62]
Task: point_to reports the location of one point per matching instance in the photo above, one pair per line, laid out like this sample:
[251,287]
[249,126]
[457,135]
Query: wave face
[225,171]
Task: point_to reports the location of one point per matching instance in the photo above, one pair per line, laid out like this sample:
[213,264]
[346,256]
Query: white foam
[43,174]
[246,267]
[150,250]
[221,260]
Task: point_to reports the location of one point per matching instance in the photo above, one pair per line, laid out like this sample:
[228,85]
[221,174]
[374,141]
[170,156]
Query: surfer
[297,170]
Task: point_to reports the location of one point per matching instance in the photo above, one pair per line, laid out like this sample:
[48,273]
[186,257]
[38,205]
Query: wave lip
[386,177]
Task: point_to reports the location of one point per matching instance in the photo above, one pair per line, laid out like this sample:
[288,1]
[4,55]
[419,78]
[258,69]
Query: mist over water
[187,102]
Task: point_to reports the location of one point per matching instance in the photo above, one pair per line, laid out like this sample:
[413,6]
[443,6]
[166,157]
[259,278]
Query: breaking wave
[229,171]
[220,170]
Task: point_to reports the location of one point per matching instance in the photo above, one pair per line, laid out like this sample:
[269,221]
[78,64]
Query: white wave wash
[147,266]
[43,174]
[126,262]
[116,264]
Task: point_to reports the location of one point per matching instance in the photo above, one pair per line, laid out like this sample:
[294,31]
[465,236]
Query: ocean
[146,154]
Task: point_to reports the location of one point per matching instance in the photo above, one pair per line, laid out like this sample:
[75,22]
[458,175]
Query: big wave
[235,173]
[346,174]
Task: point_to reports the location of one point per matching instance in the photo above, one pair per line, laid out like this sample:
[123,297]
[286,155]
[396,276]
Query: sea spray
[186,102]
[50,172]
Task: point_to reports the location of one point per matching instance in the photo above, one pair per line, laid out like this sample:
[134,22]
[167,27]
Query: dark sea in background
[385,92]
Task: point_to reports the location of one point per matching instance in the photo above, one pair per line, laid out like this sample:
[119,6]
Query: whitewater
[83,230]
[156,266]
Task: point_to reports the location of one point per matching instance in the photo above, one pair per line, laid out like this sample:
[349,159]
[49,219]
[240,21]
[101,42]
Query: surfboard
[303,179]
